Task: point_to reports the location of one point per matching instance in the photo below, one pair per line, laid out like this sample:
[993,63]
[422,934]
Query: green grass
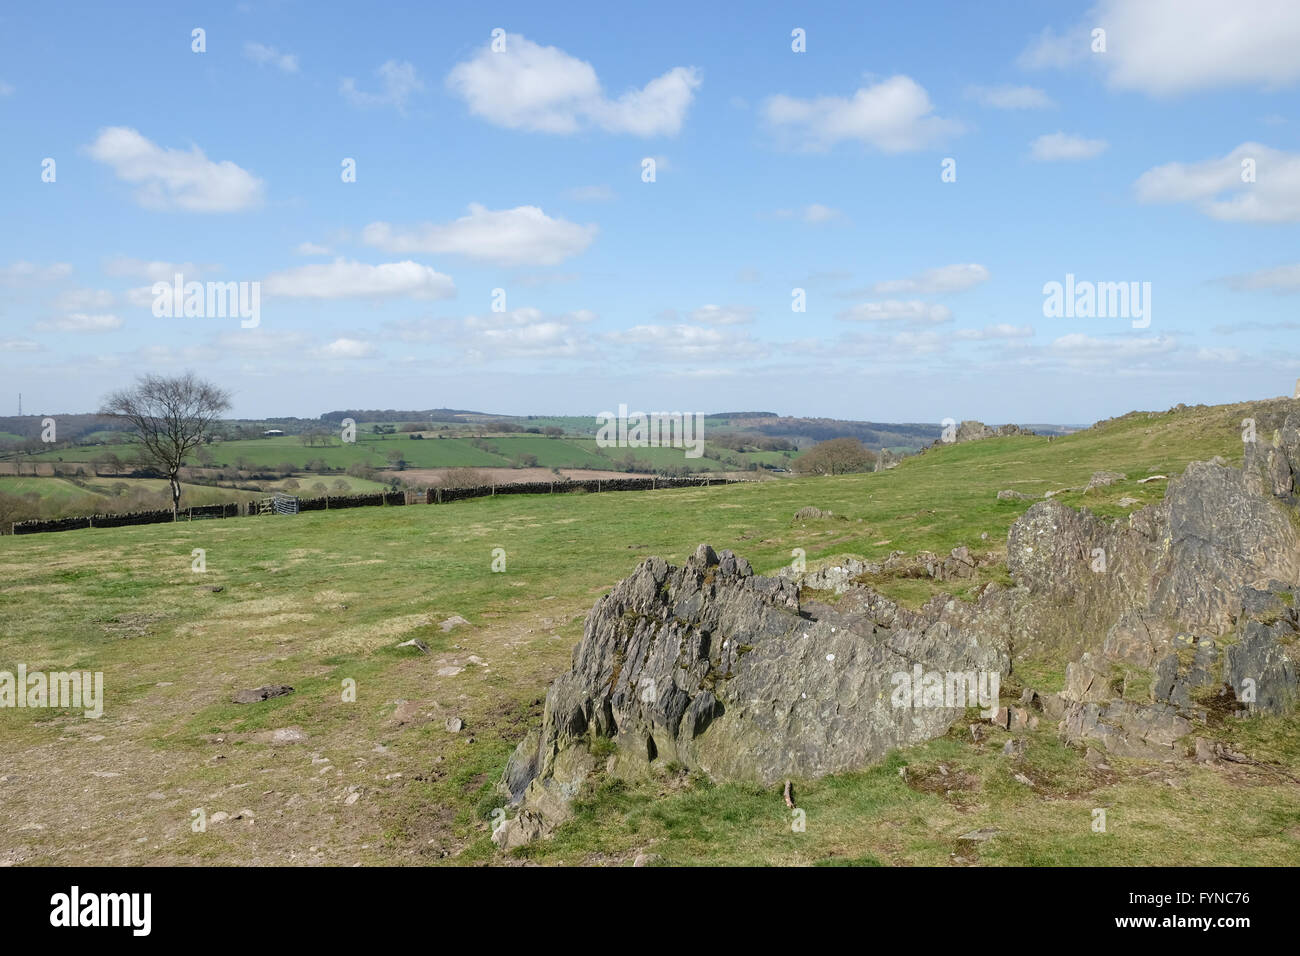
[323,598]
[430,452]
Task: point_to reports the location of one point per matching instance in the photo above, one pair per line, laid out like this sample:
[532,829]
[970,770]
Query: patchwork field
[430,452]
[322,599]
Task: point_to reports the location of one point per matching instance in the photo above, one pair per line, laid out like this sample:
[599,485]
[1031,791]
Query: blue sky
[522,170]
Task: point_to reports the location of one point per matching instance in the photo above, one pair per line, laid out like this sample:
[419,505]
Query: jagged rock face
[974,431]
[1266,658]
[722,671]
[1053,552]
[1185,559]
[1219,536]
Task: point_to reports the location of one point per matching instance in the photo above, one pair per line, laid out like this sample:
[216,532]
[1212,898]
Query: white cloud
[944,279]
[1215,186]
[1219,356]
[1010,97]
[1256,327]
[816,213]
[1079,348]
[893,116]
[590,194]
[913,344]
[141,296]
[723,314]
[173,178]
[1062,147]
[1051,50]
[521,236]
[259,341]
[83,300]
[345,348]
[399,81]
[666,344]
[1281,279]
[21,273]
[1164,47]
[999,331]
[264,55]
[80,322]
[813,214]
[342,279]
[5,89]
[20,345]
[156,271]
[526,332]
[913,311]
[543,89]
[311,249]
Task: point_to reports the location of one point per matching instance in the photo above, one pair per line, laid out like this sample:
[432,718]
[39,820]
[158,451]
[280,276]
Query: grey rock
[261,693]
[1101,479]
[1265,655]
[726,673]
[810,513]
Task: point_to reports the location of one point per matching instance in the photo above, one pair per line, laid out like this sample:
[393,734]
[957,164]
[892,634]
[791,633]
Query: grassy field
[320,599]
[430,452]
[87,496]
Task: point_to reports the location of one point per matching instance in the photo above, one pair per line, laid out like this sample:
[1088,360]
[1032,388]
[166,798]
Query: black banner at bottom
[338,905]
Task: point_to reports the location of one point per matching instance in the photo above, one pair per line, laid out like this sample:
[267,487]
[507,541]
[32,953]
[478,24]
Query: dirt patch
[943,780]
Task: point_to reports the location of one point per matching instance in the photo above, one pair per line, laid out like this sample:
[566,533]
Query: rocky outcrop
[974,431]
[1182,607]
[1103,479]
[1195,596]
[718,670]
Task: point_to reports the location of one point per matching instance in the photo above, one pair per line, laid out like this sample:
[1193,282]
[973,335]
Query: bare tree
[170,417]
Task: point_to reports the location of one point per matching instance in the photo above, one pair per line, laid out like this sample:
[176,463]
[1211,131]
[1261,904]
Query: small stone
[455,725]
[418,644]
[221,816]
[980,835]
[261,693]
